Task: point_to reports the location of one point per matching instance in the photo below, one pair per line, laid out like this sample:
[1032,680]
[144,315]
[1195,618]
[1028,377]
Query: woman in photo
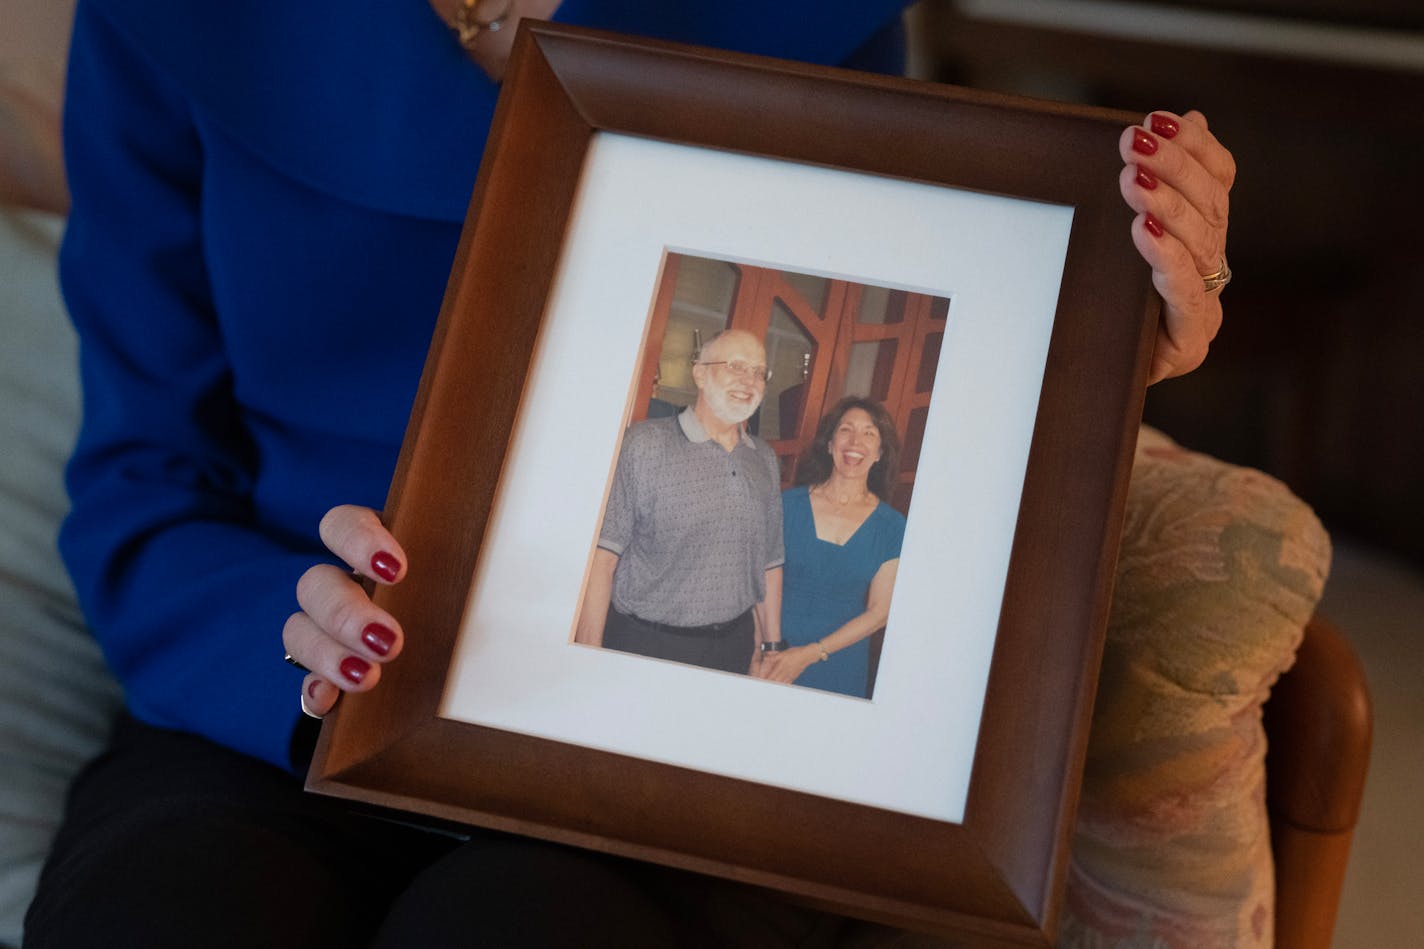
[842,550]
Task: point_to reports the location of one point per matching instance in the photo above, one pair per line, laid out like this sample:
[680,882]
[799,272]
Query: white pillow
[56,698]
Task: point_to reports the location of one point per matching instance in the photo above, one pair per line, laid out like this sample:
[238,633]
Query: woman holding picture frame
[255,285]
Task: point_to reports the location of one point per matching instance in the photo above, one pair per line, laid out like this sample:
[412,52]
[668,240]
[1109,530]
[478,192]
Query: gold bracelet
[825,656]
[468,29]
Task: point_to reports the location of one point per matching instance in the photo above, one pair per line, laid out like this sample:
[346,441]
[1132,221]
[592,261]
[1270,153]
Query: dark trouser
[172,841]
[727,646]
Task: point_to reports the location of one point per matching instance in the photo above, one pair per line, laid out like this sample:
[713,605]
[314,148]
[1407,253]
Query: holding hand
[787,665]
[340,636]
[1177,177]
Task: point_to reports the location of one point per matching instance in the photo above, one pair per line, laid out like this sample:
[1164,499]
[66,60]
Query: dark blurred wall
[1318,374]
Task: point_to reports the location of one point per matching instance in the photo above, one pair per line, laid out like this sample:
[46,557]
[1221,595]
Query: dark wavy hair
[815,465]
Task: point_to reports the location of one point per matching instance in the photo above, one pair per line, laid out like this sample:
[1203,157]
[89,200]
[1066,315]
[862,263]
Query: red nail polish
[311,688]
[1164,126]
[1142,143]
[378,638]
[355,669]
[1154,226]
[1145,179]
[385,566]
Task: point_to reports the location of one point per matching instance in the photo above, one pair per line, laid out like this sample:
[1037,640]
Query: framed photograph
[678,266]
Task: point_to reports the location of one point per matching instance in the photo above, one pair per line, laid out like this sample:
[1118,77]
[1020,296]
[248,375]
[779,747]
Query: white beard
[733,413]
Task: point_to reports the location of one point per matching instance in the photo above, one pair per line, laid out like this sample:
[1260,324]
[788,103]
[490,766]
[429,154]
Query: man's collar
[692,427]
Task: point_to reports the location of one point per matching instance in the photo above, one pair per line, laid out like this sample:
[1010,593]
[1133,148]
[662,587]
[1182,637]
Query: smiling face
[855,445]
[730,396]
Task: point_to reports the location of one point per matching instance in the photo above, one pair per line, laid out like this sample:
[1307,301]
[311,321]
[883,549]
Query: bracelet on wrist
[468,27]
[825,656]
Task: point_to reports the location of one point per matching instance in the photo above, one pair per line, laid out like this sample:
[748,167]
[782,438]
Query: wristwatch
[773,646]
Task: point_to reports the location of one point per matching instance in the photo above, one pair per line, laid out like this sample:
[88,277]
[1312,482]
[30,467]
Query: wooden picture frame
[995,874]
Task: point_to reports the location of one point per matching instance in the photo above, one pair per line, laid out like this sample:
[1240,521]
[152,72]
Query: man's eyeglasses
[742,369]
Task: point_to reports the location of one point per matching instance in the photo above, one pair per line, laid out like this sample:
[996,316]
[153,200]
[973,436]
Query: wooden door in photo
[825,338]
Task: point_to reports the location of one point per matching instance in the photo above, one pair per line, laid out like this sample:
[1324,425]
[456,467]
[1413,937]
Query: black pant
[172,841]
[727,646]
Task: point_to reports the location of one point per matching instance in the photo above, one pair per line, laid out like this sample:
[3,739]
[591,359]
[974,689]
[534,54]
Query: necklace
[844,499]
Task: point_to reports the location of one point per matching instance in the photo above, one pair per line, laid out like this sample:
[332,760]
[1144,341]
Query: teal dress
[825,586]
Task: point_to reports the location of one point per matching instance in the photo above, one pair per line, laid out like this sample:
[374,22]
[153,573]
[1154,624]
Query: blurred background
[1317,376]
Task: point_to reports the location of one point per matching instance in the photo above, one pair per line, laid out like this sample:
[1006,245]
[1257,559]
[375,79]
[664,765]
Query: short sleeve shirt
[695,526]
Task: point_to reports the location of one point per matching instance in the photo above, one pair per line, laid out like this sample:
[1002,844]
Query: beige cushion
[33,47]
[1221,567]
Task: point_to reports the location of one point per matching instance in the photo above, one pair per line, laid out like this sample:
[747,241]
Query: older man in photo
[688,565]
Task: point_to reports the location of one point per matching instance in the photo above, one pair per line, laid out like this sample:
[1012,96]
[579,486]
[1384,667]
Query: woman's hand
[787,665]
[1177,177]
[490,48]
[340,635]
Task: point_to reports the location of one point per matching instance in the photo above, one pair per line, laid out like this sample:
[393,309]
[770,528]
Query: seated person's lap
[167,831]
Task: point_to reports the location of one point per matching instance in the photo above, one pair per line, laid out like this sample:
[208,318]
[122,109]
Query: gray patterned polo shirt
[695,527]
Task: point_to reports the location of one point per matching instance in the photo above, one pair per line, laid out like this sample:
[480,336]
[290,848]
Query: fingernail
[1146,179]
[1164,126]
[378,638]
[385,566]
[1142,143]
[310,693]
[355,669]
[311,688]
[1154,226]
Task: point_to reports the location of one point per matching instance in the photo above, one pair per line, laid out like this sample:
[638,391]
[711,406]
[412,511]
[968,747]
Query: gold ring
[468,29]
[1215,281]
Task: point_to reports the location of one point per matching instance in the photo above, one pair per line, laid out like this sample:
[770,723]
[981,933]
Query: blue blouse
[267,198]
[826,585]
